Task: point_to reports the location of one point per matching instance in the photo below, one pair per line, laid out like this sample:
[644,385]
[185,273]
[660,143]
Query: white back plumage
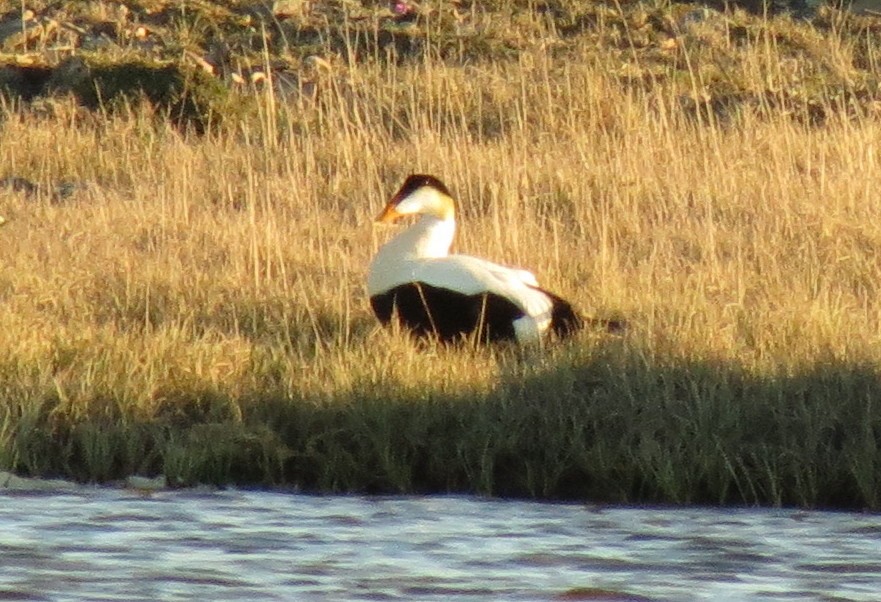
[421,254]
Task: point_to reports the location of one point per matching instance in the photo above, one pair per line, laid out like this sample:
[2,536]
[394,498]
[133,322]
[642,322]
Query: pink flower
[401,7]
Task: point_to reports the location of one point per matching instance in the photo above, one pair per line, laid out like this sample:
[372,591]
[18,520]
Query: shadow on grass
[606,425]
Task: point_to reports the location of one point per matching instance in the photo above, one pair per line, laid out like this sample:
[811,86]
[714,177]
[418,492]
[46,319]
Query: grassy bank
[193,305]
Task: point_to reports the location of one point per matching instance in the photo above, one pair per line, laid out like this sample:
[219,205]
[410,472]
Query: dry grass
[199,307]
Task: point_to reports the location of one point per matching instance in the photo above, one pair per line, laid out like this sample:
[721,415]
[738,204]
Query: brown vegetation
[194,305]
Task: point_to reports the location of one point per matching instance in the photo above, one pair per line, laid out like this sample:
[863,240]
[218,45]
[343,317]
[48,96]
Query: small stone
[14,482]
[286,9]
[316,62]
[146,483]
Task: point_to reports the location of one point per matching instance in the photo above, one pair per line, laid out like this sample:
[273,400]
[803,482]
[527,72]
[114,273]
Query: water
[106,544]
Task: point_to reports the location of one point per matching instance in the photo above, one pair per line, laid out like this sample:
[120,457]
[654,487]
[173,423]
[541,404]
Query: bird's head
[419,195]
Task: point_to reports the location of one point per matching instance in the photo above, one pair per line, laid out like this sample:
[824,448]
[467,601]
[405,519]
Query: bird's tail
[565,321]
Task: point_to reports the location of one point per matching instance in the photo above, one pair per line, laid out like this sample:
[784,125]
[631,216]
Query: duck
[452,297]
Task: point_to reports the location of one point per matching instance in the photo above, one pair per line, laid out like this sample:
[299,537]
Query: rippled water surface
[101,544]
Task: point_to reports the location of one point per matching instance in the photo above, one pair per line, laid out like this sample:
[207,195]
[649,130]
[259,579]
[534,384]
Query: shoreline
[184,296]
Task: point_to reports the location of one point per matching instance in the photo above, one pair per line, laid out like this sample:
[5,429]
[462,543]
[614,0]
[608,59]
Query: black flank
[429,311]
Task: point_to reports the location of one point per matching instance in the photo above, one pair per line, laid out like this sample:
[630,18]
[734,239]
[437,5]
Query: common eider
[453,297]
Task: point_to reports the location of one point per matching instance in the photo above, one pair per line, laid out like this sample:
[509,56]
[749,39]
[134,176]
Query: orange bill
[389,215]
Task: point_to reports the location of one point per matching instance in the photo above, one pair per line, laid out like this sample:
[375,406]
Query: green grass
[196,306]
[603,422]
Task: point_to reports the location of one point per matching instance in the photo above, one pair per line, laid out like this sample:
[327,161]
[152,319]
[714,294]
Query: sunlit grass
[198,309]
